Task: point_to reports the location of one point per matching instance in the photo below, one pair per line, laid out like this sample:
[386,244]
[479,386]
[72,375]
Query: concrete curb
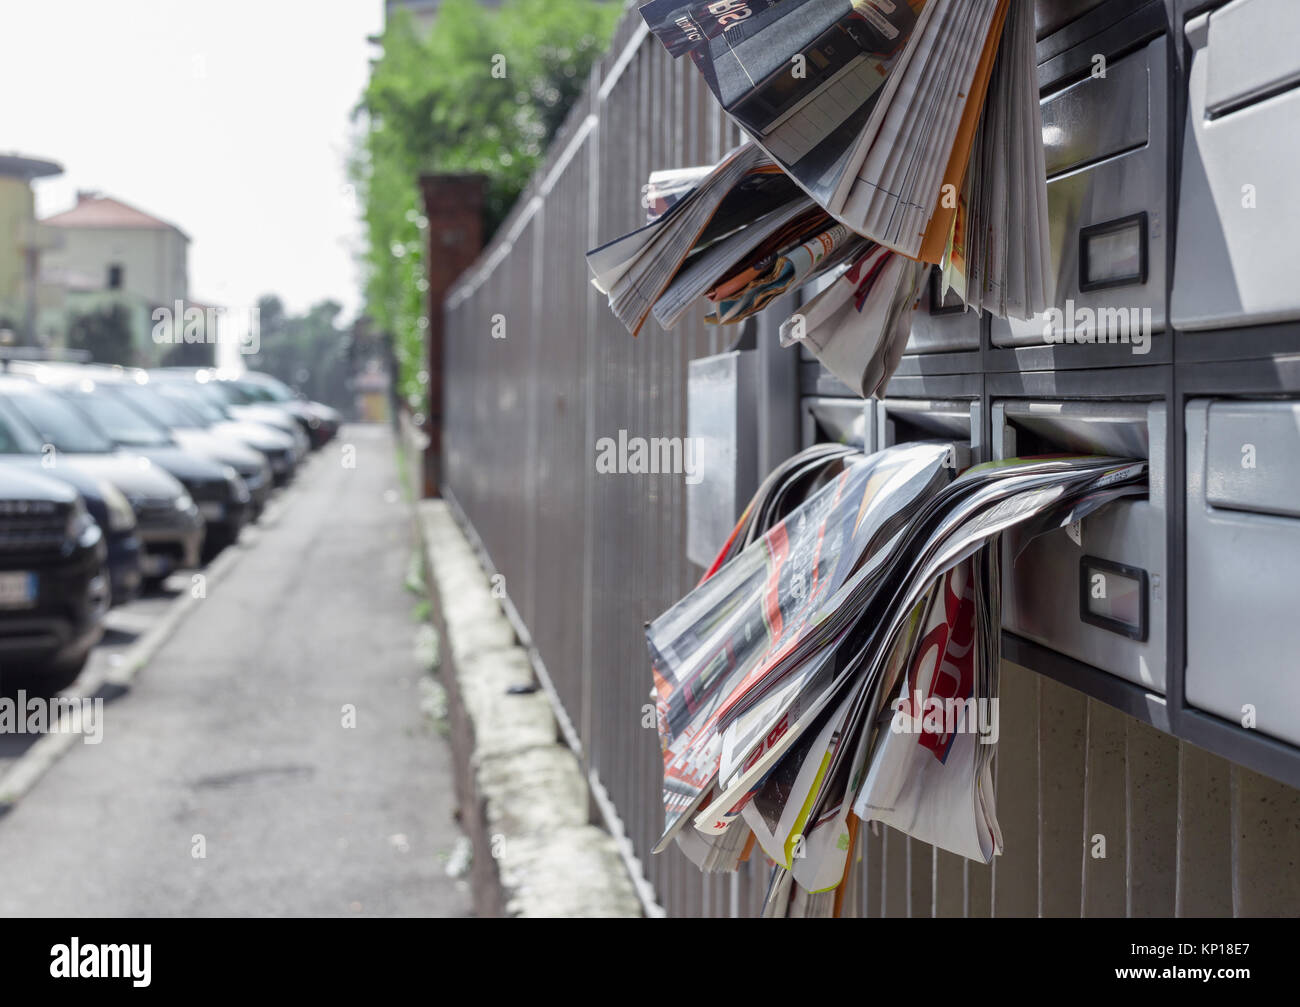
[524,801]
[28,769]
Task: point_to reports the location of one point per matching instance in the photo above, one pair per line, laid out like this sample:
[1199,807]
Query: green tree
[104,332]
[184,354]
[311,352]
[484,93]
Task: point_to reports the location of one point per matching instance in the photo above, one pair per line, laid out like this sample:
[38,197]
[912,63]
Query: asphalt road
[236,741]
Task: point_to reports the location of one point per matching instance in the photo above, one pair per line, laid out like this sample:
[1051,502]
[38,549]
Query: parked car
[21,449]
[53,578]
[221,495]
[190,432]
[322,421]
[278,447]
[241,405]
[165,519]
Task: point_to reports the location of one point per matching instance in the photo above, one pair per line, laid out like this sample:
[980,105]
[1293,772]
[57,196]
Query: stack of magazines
[842,667]
[887,136]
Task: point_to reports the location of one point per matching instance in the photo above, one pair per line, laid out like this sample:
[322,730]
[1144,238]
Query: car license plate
[212,511]
[17,590]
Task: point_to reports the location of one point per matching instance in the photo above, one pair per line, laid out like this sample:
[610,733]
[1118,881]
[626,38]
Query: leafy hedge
[484,92]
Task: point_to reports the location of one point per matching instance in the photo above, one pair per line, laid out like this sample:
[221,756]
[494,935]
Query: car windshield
[168,412]
[255,393]
[187,398]
[15,436]
[231,392]
[58,423]
[118,420]
[213,397]
[270,389]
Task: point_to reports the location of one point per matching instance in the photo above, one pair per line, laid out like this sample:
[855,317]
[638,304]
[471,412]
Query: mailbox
[1238,208]
[1243,551]
[1095,592]
[839,421]
[956,421]
[720,424]
[942,324]
[1105,143]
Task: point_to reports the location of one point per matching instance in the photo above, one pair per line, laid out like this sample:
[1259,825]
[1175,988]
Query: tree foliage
[104,332]
[183,354]
[311,352]
[484,92]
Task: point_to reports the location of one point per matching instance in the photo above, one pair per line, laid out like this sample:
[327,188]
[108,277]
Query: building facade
[109,256]
[106,244]
[24,241]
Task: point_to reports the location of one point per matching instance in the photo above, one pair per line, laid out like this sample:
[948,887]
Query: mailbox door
[1239,208]
[1104,139]
[1094,593]
[942,325]
[1243,555]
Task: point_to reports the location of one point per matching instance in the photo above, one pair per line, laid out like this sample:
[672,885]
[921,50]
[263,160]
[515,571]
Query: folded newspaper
[896,116]
[839,663]
[887,136]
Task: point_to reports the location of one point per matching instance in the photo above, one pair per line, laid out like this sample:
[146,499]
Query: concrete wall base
[523,800]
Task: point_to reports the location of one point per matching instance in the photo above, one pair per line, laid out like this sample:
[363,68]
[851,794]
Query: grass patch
[415,582]
[402,462]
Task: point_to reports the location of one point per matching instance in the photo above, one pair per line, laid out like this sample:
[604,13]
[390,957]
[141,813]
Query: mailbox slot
[1243,551]
[1093,593]
[901,421]
[827,419]
[1238,208]
[1105,144]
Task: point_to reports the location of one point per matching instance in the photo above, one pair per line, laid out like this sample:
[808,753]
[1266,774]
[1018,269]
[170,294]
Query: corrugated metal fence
[538,370]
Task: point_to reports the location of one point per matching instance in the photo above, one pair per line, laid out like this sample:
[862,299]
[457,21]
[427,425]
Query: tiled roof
[93,211]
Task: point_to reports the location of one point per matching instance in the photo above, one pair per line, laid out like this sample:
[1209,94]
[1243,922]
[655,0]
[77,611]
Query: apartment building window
[115,275]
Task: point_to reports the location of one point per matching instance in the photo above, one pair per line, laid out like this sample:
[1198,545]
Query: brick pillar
[453,205]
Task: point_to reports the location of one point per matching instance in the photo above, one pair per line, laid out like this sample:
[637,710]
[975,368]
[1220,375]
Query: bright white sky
[228,118]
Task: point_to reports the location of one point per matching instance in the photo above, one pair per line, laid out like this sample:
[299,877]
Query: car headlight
[238,488]
[255,478]
[81,527]
[184,502]
[120,515]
